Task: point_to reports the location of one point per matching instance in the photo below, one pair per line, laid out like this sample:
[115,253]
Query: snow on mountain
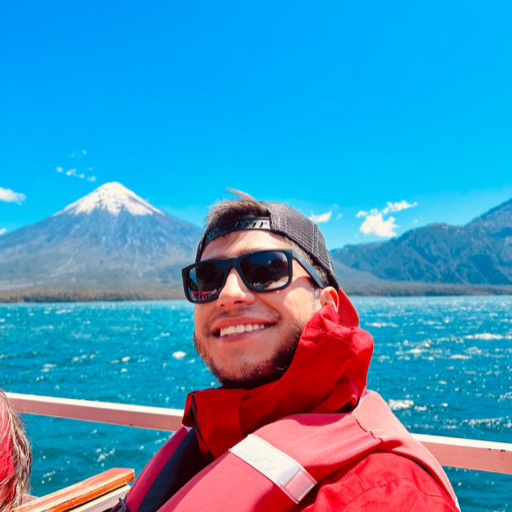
[112,198]
[110,239]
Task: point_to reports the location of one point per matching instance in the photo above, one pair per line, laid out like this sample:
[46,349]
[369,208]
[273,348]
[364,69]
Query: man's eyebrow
[222,256]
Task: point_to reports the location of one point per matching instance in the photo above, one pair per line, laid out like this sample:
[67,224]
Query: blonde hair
[14,447]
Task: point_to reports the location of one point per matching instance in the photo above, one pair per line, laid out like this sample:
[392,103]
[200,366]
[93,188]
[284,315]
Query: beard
[251,376]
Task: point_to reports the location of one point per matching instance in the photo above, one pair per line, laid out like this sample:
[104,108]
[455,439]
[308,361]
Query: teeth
[240,329]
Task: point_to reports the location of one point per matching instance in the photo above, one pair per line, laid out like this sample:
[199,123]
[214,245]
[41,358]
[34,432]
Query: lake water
[443,364]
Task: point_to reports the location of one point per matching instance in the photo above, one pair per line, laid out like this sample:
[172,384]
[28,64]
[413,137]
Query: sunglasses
[261,271]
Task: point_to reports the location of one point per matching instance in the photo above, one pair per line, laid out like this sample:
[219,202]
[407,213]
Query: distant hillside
[476,258]
[109,244]
[113,245]
[497,222]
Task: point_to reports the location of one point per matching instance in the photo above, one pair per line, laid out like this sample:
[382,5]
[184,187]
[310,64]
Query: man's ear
[329,296]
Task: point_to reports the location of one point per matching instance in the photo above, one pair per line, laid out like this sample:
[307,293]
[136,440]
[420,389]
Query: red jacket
[366,462]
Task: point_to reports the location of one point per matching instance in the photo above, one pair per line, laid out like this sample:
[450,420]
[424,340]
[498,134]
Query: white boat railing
[449,451]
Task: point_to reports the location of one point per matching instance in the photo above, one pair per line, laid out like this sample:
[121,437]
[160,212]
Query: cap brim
[347,313]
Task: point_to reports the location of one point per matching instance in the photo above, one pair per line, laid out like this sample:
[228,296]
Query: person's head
[250,311]
[15,457]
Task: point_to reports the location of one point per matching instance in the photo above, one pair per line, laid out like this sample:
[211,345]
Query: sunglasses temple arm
[312,272]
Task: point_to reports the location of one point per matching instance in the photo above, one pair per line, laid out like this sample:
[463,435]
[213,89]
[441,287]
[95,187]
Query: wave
[489,423]
[381,324]
[486,336]
[400,405]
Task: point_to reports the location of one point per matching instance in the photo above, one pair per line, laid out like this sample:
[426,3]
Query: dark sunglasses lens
[265,271]
[204,281]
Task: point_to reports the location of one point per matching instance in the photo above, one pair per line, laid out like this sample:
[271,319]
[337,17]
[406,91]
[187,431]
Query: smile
[240,329]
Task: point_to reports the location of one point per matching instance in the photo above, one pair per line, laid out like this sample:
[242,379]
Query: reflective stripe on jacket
[279,464]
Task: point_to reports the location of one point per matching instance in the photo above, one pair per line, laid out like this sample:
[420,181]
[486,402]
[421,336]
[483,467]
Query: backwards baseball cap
[286,221]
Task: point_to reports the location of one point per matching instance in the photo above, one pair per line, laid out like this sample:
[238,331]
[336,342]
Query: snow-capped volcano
[110,239]
[112,198]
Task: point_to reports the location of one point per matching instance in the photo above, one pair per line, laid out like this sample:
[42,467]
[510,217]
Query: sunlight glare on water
[442,364]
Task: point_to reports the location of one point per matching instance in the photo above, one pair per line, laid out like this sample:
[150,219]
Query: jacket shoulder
[380,482]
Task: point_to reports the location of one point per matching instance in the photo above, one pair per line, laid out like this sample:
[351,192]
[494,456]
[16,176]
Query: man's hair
[15,448]
[229,211]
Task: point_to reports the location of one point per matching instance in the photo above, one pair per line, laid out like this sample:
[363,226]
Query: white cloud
[9,196]
[378,226]
[77,166]
[375,222]
[323,217]
[364,213]
[2,231]
[398,206]
[76,173]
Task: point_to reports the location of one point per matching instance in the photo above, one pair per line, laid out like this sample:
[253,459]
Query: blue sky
[374,117]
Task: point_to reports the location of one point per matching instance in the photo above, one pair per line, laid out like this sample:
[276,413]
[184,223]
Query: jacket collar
[328,374]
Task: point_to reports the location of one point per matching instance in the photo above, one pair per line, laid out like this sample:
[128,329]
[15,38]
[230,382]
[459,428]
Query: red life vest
[320,444]
[293,420]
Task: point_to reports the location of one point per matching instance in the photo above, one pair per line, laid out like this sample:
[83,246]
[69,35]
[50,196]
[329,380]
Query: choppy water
[443,364]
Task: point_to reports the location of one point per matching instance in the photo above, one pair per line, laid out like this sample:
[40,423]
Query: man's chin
[247,375]
[247,381]
[253,377]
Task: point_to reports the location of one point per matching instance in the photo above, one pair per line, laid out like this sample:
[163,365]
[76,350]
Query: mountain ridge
[113,245]
[477,255]
[108,240]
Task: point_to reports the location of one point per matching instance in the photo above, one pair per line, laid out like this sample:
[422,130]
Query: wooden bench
[94,494]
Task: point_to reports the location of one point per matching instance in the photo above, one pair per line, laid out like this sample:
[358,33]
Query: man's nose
[234,291]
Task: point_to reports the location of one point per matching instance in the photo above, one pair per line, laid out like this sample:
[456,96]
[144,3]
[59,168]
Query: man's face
[248,338]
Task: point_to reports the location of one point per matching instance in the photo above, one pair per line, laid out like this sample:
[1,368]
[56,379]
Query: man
[292,426]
